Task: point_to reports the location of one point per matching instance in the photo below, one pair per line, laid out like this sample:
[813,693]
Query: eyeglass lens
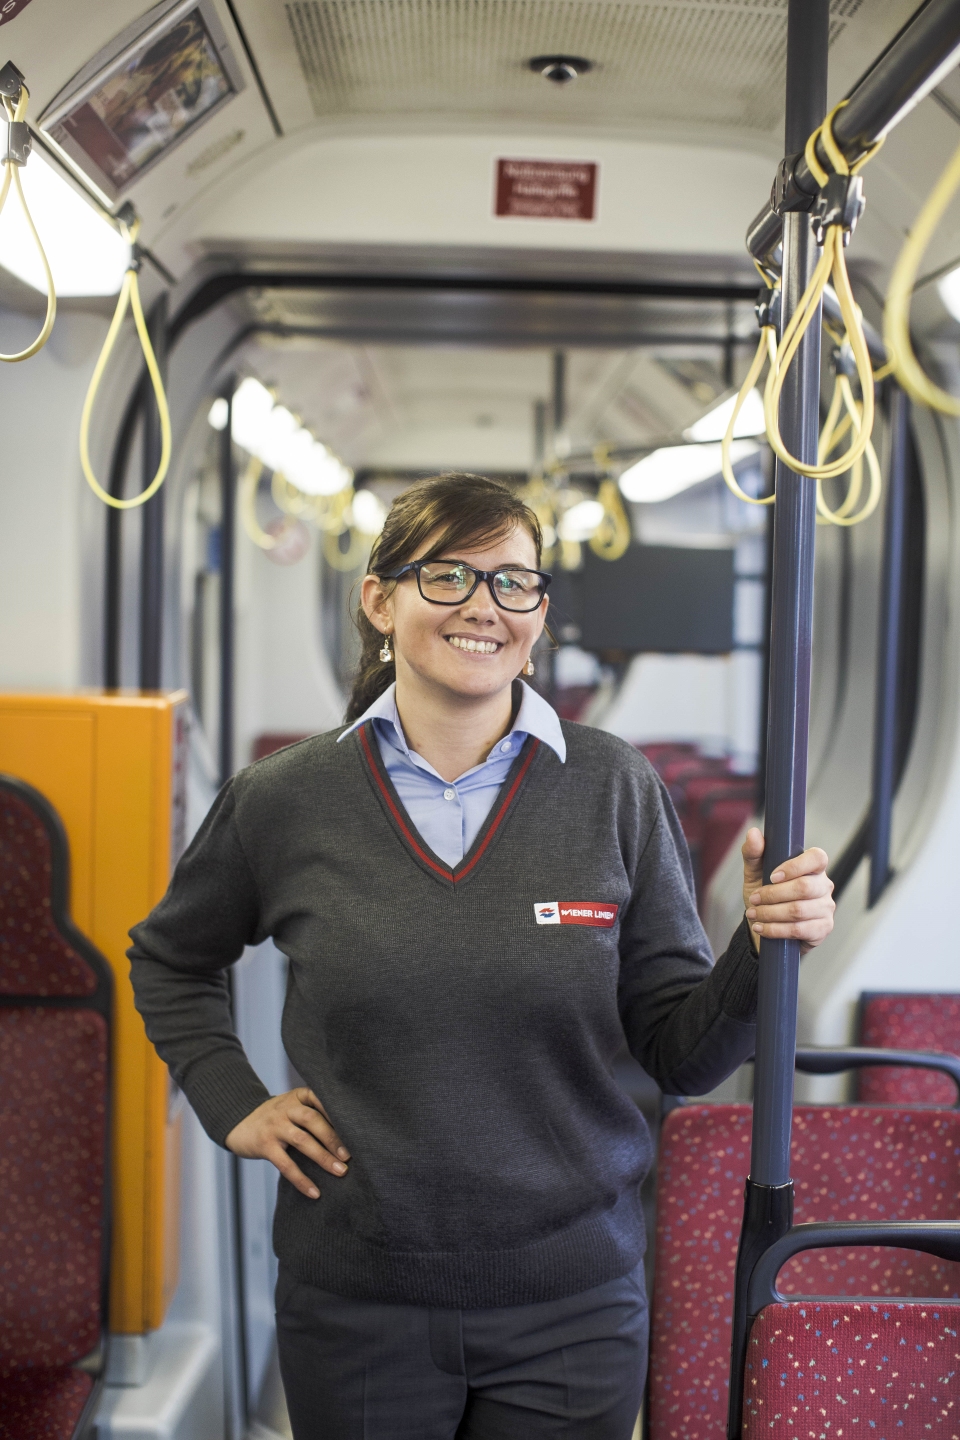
[448,584]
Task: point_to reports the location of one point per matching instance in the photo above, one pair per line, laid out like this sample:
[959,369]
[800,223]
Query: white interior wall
[43,627]
[438,189]
[284,681]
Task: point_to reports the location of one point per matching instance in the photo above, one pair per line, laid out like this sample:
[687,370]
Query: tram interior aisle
[376,243]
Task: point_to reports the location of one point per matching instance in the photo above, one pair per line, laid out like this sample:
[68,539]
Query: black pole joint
[767,1216]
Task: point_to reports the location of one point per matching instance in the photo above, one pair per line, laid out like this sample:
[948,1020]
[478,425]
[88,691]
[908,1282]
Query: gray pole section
[152,518]
[228,538]
[768,1196]
[791,637]
[888,650]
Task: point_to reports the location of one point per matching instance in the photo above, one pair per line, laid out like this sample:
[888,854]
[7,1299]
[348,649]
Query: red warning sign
[10,9]
[547,189]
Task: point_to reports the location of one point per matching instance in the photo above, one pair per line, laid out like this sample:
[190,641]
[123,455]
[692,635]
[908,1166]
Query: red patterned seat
[830,1369]
[55,991]
[849,1163]
[909,1022]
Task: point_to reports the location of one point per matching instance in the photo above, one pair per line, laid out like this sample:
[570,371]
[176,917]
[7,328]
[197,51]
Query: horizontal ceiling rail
[217,288]
[917,58]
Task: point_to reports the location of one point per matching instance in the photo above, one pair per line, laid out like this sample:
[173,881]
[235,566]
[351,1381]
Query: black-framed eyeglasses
[452,582]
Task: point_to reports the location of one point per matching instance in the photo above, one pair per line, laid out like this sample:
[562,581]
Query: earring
[529,668]
[386,654]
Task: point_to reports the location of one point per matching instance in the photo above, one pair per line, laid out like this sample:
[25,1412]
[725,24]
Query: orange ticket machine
[114,764]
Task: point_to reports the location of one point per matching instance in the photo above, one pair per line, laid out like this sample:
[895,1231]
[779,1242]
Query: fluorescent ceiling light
[276,437]
[713,425]
[675,468]
[279,429]
[86,255]
[252,403]
[369,512]
[321,473]
[949,288]
[580,521]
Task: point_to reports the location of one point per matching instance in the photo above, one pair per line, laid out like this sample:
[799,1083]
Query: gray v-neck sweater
[460,1027]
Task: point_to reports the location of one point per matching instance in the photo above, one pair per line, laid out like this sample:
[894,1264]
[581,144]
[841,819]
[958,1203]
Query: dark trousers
[358,1370]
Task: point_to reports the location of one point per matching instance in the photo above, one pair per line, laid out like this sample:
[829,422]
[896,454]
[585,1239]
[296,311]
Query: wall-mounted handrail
[888,648]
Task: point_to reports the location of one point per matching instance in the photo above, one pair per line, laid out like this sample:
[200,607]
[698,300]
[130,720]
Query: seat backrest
[849,1163]
[55,999]
[833,1369]
[908,1022]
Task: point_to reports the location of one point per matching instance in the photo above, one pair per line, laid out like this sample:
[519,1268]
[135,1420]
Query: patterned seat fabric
[849,1163]
[909,1022]
[43,1406]
[891,1372]
[53,1130]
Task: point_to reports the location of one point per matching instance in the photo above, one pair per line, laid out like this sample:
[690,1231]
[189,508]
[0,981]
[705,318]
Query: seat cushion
[42,1404]
[891,1372]
[849,1163]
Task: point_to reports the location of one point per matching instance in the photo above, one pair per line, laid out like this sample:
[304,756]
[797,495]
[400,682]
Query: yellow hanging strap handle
[17,150]
[896,316]
[249,483]
[766,350]
[129,296]
[612,537]
[831,263]
[832,433]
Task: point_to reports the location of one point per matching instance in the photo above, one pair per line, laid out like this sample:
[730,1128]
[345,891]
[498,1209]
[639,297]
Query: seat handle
[940,1238]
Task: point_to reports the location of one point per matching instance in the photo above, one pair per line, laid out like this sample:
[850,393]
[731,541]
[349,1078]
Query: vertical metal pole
[539,435]
[559,444]
[888,648]
[768,1208]
[152,519]
[113,544]
[228,528]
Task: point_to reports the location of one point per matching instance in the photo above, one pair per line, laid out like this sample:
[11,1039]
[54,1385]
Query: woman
[478,903]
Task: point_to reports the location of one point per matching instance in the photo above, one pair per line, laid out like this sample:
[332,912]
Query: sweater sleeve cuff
[223,1090]
[740,971]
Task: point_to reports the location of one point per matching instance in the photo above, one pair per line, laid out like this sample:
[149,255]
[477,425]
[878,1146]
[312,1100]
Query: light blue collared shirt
[449,814]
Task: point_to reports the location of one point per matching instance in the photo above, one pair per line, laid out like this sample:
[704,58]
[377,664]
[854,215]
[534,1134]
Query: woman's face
[473,649]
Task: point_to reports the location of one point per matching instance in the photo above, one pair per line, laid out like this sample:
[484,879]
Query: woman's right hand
[298,1119]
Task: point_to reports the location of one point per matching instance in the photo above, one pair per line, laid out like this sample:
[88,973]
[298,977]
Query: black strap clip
[840,202]
[843,360]
[768,308]
[11,82]
[786,193]
[15,142]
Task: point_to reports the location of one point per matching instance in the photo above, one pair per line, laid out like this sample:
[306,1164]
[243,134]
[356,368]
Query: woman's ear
[375,603]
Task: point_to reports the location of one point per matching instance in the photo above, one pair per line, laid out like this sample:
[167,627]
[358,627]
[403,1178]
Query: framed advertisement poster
[144,94]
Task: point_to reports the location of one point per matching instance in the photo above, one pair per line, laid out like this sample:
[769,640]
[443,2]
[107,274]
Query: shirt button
[449,794]
[505,746]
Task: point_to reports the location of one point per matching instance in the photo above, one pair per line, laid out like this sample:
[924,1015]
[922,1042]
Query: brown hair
[465,510]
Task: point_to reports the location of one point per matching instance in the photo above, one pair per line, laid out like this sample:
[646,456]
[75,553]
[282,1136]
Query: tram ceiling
[701,63]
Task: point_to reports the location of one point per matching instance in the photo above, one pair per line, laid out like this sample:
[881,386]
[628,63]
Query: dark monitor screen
[655,598]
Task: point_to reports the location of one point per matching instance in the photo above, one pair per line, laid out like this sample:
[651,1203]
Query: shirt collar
[535,717]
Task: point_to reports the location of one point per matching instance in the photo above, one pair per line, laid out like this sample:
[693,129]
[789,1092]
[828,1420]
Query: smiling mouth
[474,647]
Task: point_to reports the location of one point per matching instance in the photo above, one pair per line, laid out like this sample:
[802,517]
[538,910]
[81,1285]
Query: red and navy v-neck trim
[384,787]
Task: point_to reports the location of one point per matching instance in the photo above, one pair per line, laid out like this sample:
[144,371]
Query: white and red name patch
[575,912]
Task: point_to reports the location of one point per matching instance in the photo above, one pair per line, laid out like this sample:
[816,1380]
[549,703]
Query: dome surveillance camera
[560,69]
